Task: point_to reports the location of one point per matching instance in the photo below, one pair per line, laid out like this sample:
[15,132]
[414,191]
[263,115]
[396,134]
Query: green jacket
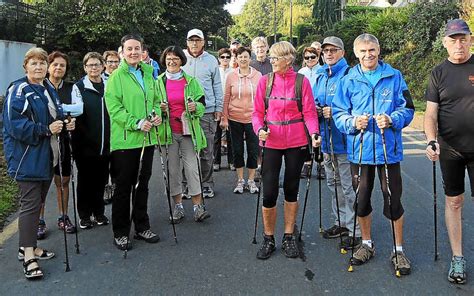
[193,90]
[128,103]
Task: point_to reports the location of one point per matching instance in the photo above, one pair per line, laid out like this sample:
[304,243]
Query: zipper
[21,161]
[103,126]
[373,121]
[146,99]
[324,120]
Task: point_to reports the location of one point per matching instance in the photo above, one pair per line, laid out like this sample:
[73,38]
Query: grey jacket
[206,69]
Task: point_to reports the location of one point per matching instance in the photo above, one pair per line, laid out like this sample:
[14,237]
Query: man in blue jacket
[334,142]
[373,97]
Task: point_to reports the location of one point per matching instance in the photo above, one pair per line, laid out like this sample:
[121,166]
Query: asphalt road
[217,257]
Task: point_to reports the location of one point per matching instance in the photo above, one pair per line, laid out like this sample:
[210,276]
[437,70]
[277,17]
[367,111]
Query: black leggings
[272,159]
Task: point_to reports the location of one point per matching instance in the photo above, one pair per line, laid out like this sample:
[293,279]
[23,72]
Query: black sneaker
[288,246]
[348,242]
[305,171]
[148,236]
[122,243]
[86,223]
[101,220]
[335,232]
[321,172]
[267,248]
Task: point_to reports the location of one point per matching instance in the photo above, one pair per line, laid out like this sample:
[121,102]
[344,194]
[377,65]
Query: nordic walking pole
[384,145]
[73,184]
[165,175]
[62,198]
[435,207]
[328,121]
[308,183]
[319,161]
[356,204]
[134,191]
[254,240]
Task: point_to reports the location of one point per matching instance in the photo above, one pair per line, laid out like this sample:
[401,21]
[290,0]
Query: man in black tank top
[449,128]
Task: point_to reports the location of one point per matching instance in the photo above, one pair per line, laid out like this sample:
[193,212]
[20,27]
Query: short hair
[109,53]
[310,49]
[57,54]
[365,38]
[223,50]
[131,37]
[242,49]
[284,49]
[177,51]
[92,55]
[316,44]
[257,40]
[145,48]
[35,52]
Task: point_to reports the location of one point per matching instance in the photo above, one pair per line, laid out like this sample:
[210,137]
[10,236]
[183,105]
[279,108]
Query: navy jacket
[324,90]
[356,96]
[26,121]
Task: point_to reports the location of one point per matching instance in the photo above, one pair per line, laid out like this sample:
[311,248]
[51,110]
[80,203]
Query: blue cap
[457,26]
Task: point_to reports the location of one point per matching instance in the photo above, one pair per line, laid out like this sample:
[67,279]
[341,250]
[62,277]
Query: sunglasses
[311,57]
[224,57]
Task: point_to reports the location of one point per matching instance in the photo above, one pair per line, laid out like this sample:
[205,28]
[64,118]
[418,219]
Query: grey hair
[258,40]
[365,38]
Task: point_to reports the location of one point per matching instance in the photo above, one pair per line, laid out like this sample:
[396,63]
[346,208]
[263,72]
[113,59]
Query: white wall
[11,62]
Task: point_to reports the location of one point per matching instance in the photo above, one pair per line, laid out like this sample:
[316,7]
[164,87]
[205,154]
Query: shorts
[453,168]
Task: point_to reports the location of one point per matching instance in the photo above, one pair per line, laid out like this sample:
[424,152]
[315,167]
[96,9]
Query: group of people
[111,121]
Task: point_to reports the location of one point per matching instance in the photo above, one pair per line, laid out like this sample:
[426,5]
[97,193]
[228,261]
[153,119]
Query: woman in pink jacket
[285,120]
[239,94]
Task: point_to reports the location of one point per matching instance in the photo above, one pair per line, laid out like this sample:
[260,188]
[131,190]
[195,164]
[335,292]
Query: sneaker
[348,242]
[252,186]
[148,236]
[122,243]
[216,167]
[288,246]
[258,174]
[41,233]
[101,220]
[178,214]
[65,222]
[267,248]
[457,270]
[363,254]
[305,171]
[232,167]
[403,263]
[321,172]
[240,187]
[335,232]
[207,192]
[200,213]
[86,223]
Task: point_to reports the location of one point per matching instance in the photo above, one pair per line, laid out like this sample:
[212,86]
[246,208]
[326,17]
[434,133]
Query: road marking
[8,231]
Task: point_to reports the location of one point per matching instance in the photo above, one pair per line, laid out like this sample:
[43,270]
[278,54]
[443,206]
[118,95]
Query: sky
[235,7]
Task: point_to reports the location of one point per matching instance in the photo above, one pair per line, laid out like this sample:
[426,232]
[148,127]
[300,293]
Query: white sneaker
[240,187]
[252,186]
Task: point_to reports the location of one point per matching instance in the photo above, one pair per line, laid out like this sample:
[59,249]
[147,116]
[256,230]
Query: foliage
[17,25]
[8,191]
[218,42]
[326,13]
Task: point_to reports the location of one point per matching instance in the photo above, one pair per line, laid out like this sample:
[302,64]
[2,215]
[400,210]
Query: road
[217,257]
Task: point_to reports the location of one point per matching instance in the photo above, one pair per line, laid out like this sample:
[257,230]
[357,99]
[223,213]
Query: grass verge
[8,191]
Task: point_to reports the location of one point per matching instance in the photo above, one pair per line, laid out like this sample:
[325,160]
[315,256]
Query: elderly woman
[182,104]
[112,61]
[285,120]
[224,55]
[239,94]
[91,142]
[32,118]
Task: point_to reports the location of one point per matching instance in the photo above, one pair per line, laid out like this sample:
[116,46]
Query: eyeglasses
[225,57]
[194,40]
[112,62]
[331,50]
[172,60]
[90,66]
[274,59]
[311,57]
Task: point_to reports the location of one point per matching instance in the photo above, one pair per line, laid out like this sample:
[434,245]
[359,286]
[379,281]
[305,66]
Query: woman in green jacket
[182,105]
[131,96]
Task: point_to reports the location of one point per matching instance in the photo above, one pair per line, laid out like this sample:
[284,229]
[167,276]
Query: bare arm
[431,129]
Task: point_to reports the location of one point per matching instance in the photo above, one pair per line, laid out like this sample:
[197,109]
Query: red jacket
[282,108]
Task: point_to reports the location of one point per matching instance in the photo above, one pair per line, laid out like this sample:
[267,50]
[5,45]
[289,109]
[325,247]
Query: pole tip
[397,273]
[320,230]
[343,251]
[254,241]
[350,269]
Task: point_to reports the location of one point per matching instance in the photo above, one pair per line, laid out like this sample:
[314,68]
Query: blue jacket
[26,121]
[324,90]
[356,96]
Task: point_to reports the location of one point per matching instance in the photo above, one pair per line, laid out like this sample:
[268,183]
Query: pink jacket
[239,95]
[289,135]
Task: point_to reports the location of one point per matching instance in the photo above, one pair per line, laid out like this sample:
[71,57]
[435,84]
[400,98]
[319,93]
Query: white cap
[195,32]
